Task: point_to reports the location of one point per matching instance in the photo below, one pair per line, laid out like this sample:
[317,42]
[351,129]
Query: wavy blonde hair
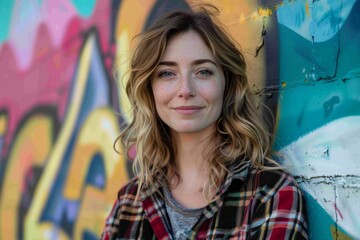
[240,131]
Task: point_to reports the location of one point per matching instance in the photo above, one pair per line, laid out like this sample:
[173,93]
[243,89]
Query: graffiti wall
[61,108]
[318,120]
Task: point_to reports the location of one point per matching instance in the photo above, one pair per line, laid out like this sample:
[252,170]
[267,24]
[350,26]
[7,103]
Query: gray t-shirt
[182,219]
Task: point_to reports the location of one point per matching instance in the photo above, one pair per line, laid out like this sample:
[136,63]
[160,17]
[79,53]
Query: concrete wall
[61,108]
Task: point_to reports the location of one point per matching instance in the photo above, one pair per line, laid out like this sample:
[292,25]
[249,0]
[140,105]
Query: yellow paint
[34,229]
[87,145]
[265,12]
[244,20]
[128,25]
[277,6]
[123,54]
[244,24]
[307,9]
[48,230]
[95,203]
[31,147]
[340,234]
[3,124]
[95,207]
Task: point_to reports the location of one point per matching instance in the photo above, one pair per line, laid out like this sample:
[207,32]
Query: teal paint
[316,21]
[320,64]
[6,10]
[308,107]
[319,221]
[314,74]
[84,7]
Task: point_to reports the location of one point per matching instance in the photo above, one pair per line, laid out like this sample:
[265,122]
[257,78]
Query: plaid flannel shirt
[252,204]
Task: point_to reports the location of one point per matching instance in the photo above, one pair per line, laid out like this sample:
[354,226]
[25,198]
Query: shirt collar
[149,190]
[155,210]
[238,169]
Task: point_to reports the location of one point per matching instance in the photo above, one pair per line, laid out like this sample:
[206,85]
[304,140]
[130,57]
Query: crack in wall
[336,214]
[345,181]
[262,38]
[338,50]
[269,91]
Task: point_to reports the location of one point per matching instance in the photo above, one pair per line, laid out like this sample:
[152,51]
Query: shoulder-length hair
[240,133]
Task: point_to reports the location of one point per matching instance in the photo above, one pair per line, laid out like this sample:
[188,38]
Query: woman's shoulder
[273,176]
[125,207]
[129,190]
[280,205]
[126,199]
[271,181]
[266,179]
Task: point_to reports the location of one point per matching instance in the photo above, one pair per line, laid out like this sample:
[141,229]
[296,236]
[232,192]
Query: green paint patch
[84,7]
[338,234]
[6,10]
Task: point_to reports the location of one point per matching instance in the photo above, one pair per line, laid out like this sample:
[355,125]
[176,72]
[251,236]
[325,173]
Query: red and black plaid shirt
[253,204]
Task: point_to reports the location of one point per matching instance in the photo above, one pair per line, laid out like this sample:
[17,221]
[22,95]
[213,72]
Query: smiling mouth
[188,110]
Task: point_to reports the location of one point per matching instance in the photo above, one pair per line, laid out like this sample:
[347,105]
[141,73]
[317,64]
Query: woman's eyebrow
[167,63]
[196,62]
[201,61]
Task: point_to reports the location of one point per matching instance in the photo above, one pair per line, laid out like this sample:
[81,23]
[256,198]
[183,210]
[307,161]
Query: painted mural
[62,66]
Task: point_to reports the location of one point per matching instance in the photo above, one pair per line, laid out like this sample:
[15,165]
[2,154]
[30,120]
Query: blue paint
[308,69]
[329,105]
[89,235]
[71,209]
[55,205]
[1,147]
[163,6]
[97,90]
[96,95]
[302,108]
[84,7]
[96,174]
[6,10]
[292,15]
[323,21]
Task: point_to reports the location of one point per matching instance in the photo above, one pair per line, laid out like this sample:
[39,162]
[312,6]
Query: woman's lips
[188,110]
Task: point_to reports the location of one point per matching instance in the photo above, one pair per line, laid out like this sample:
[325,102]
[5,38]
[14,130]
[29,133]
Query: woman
[203,164]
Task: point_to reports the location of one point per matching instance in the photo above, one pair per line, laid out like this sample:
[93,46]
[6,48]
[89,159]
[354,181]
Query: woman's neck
[191,151]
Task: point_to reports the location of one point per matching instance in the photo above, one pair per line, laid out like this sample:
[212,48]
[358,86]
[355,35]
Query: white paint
[347,200]
[329,158]
[330,150]
[322,22]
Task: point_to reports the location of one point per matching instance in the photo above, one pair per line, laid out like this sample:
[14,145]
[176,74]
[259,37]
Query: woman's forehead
[189,44]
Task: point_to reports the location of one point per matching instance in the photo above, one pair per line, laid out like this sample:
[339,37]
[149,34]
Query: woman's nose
[186,86]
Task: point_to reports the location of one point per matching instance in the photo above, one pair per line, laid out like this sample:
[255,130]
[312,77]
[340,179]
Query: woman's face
[188,86]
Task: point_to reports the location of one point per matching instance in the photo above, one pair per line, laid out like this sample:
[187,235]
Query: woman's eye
[166,74]
[205,72]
